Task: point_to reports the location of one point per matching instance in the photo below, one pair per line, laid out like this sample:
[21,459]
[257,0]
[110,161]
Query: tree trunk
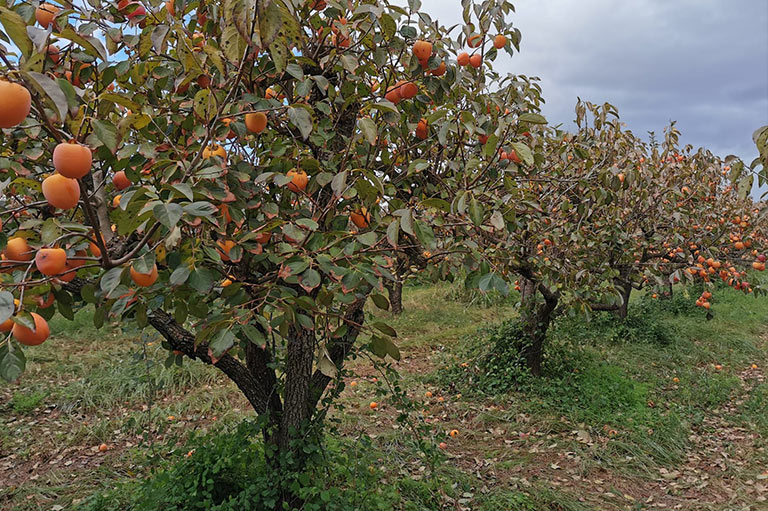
[626,290]
[297,394]
[395,292]
[535,317]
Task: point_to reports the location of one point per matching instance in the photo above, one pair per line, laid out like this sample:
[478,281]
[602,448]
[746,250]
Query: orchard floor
[629,425]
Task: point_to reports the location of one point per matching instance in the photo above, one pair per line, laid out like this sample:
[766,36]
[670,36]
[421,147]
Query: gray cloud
[703,63]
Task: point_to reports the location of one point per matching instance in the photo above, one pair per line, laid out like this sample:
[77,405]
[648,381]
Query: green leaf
[145,263]
[523,152]
[339,183]
[497,220]
[384,328]
[532,118]
[279,53]
[201,208]
[120,99]
[309,280]
[51,90]
[215,57]
[16,29]
[168,214]
[204,104]
[368,239]
[382,346]
[326,365]
[253,334]
[270,22]
[406,222]
[380,301]
[232,43]
[368,128]
[223,341]
[179,275]
[12,363]
[424,234]
[50,231]
[295,70]
[436,204]
[185,190]
[88,293]
[110,280]
[202,280]
[302,119]
[7,307]
[106,132]
[158,38]
[92,46]
[476,212]
[98,316]
[489,149]
[393,232]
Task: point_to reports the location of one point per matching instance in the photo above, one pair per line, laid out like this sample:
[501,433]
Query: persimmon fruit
[422,50]
[45,14]
[17,249]
[225,246]
[361,218]
[256,122]
[29,337]
[475,41]
[72,160]
[61,192]
[144,279]
[214,150]
[299,180]
[51,261]
[120,180]
[422,129]
[15,102]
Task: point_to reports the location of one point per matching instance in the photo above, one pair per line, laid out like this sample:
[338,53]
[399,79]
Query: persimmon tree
[596,212]
[241,176]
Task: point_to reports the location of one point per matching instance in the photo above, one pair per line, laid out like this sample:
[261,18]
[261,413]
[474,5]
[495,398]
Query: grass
[623,402]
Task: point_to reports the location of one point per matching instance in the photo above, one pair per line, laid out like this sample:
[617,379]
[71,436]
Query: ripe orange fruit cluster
[400,91]
[703,300]
[510,155]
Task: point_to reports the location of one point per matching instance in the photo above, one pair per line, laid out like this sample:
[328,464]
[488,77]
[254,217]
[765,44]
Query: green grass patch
[25,402]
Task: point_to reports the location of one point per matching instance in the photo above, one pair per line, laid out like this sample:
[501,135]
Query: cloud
[703,63]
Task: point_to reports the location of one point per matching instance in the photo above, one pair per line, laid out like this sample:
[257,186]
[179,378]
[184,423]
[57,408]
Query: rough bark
[183,340]
[535,317]
[395,292]
[300,354]
[626,291]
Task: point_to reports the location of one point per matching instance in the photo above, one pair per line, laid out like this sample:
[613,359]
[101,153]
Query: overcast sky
[703,63]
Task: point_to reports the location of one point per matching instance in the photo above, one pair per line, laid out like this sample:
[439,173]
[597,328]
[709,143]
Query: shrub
[228,472]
